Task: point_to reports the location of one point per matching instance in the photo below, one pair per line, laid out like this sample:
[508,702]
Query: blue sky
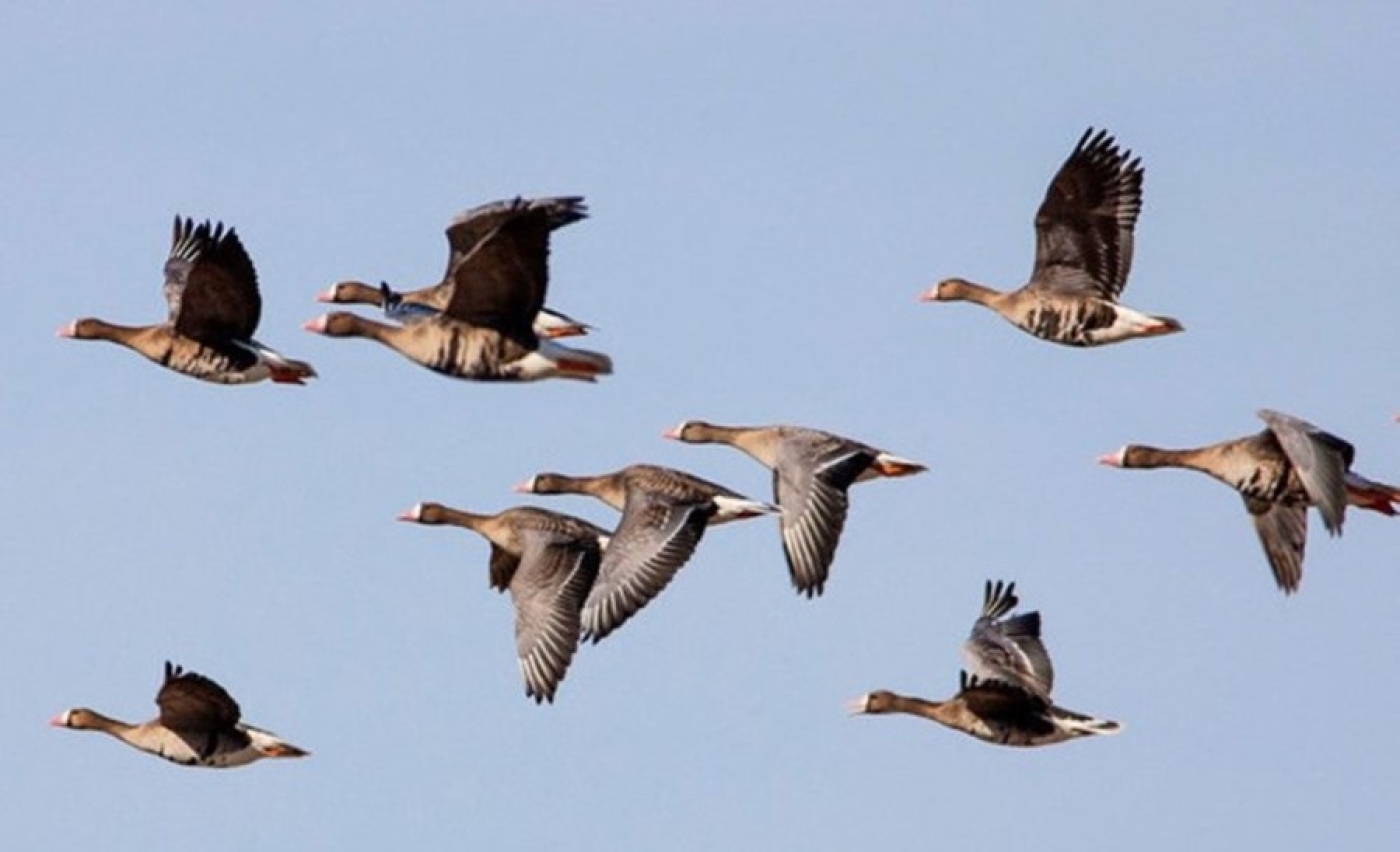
[771,189]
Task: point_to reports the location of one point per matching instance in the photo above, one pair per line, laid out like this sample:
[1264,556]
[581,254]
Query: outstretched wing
[1008,649]
[810,488]
[654,539]
[210,284]
[1321,460]
[1084,228]
[556,573]
[193,702]
[501,283]
[470,227]
[1283,531]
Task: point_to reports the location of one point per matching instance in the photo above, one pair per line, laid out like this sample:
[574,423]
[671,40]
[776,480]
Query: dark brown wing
[501,283]
[210,284]
[470,227]
[993,699]
[1084,228]
[193,702]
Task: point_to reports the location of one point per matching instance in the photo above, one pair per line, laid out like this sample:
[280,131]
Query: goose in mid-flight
[812,471]
[1280,472]
[486,329]
[1083,251]
[214,307]
[198,725]
[1004,692]
[548,562]
[463,233]
[664,514]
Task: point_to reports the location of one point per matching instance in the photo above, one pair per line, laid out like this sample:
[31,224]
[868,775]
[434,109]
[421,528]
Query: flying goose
[198,725]
[485,330]
[664,514]
[811,472]
[1281,471]
[1005,697]
[548,561]
[212,292]
[1083,251]
[463,234]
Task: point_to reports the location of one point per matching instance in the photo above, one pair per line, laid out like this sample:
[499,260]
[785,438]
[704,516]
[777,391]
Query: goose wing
[1084,227]
[809,486]
[655,538]
[471,226]
[501,282]
[211,286]
[1321,460]
[556,573]
[1008,649]
[193,702]
[1283,531]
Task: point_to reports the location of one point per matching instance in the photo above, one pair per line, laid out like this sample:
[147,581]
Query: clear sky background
[772,185]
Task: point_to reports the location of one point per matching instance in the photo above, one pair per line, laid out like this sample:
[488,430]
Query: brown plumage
[464,233]
[664,514]
[812,471]
[198,725]
[1279,472]
[1084,251]
[1008,703]
[485,331]
[211,289]
[548,562]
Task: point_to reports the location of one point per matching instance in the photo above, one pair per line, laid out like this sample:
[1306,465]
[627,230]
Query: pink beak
[1110,459]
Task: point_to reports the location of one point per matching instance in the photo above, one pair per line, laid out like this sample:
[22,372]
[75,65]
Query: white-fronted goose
[811,472]
[1281,471]
[548,561]
[212,292]
[198,725]
[1006,698]
[664,514]
[485,331]
[1083,251]
[419,305]
[463,234]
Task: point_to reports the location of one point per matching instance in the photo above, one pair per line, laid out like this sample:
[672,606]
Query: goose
[548,561]
[811,472]
[485,331]
[664,514]
[1083,251]
[403,309]
[1004,693]
[198,725]
[212,292]
[463,233]
[1279,472]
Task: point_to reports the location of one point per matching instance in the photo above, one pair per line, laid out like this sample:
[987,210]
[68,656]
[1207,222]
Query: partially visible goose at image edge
[198,726]
[485,332]
[1279,472]
[463,233]
[665,512]
[211,290]
[548,562]
[812,471]
[1083,252]
[1005,698]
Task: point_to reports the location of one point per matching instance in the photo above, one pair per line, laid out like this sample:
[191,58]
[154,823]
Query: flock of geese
[570,580]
